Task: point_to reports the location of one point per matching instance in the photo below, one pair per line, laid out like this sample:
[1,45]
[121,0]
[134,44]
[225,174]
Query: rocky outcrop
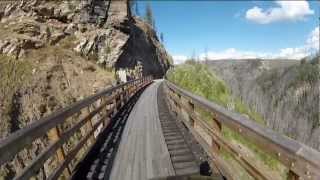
[53,53]
[284,92]
[104,32]
[142,41]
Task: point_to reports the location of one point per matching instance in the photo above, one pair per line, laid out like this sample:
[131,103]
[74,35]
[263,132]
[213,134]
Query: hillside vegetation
[200,80]
[284,92]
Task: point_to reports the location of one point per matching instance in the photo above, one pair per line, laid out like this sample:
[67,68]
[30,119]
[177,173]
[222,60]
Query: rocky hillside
[53,53]
[285,93]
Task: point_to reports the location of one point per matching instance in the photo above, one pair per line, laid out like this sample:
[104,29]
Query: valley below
[284,92]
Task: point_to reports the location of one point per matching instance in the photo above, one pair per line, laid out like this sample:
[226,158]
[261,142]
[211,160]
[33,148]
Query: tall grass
[13,74]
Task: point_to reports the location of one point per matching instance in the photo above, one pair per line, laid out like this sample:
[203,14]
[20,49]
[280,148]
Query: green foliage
[316,60]
[243,109]
[191,61]
[308,72]
[198,79]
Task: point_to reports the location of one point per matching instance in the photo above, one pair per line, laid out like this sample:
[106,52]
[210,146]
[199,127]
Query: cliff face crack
[15,112]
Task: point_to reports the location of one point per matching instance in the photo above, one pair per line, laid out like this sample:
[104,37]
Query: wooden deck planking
[143,152]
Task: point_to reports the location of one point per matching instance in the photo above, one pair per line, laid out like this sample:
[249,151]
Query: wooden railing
[93,121]
[300,161]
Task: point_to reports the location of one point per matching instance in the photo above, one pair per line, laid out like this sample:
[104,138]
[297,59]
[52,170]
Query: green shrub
[198,79]
[308,73]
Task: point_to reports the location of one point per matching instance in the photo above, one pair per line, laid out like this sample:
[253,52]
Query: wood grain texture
[143,153]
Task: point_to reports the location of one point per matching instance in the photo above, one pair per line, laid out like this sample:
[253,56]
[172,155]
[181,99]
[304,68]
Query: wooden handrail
[14,143]
[301,160]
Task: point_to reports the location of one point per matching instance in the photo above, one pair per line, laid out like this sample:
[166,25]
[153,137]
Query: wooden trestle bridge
[142,130]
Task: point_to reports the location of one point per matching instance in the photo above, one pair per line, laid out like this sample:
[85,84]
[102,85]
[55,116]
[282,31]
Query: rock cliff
[104,31]
[53,53]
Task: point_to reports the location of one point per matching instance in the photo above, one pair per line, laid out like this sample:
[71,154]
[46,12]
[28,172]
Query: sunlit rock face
[54,53]
[105,32]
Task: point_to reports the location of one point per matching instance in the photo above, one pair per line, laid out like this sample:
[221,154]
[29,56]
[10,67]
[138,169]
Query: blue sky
[236,29]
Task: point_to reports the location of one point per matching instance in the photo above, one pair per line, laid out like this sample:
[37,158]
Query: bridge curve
[143,152]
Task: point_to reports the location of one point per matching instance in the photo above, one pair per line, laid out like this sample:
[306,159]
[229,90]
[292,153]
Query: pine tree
[133,4]
[137,9]
[161,38]
[149,16]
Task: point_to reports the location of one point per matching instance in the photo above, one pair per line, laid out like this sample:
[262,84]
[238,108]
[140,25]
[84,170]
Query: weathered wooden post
[121,97]
[216,125]
[192,108]
[90,125]
[172,102]
[125,94]
[114,102]
[54,136]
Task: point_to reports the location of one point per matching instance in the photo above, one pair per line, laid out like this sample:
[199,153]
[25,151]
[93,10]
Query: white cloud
[286,10]
[310,47]
[178,59]
[313,39]
[292,53]
[232,53]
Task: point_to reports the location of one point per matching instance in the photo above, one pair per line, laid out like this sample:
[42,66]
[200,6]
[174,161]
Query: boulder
[55,38]
[45,11]
[26,44]
[9,9]
[28,28]
[18,47]
[71,29]
[3,45]
[82,44]
[12,49]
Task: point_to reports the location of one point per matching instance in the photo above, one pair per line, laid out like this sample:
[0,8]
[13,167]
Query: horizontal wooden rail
[302,161]
[110,100]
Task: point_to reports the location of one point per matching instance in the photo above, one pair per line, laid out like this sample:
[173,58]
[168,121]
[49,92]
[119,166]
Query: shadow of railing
[92,116]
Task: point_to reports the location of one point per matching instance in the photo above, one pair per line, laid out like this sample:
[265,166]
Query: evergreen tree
[137,9]
[149,16]
[161,37]
[133,4]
